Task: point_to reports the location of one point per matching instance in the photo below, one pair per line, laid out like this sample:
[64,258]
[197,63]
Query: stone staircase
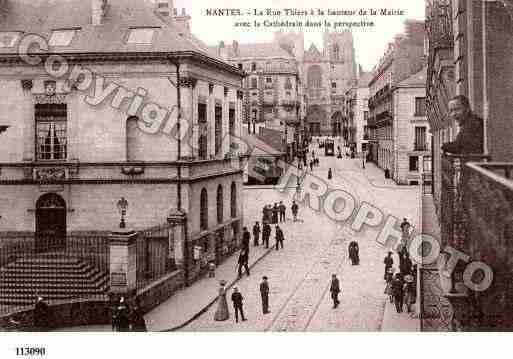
[54,276]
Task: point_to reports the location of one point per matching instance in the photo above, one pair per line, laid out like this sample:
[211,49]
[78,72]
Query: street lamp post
[122,206]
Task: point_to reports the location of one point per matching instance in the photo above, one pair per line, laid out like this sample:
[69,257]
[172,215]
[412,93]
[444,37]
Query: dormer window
[9,38]
[142,36]
[62,37]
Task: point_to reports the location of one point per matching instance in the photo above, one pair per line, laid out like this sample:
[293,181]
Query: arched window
[203,210]
[233,200]
[220,204]
[314,76]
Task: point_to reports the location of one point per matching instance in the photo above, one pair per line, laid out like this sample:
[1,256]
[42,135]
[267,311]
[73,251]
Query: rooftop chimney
[98,9]
[182,21]
[164,8]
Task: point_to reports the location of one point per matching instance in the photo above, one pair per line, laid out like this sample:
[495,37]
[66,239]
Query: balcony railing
[452,219]
[487,206]
[419,146]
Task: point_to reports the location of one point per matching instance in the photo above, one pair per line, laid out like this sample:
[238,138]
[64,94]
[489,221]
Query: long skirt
[222,312]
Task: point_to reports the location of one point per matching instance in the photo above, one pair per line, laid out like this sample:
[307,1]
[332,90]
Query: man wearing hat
[237,299]
[334,290]
[264,292]
[41,315]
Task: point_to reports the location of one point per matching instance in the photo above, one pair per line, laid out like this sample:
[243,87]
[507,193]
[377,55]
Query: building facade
[404,57]
[356,112]
[470,46]
[411,137]
[70,152]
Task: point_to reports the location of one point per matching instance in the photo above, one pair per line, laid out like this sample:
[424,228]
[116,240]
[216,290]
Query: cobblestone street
[316,247]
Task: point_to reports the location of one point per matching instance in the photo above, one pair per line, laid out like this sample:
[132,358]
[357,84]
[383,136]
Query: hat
[391,270]
[264,277]
[222,282]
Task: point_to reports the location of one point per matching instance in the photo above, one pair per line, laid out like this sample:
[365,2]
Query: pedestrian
[406,265]
[276,211]
[266,234]
[279,237]
[354,253]
[282,211]
[330,174]
[246,237]
[264,293]
[243,262]
[335,290]
[311,165]
[409,292]
[121,318]
[41,315]
[256,234]
[137,322]
[398,292]
[389,262]
[264,214]
[211,269]
[389,277]
[222,312]
[405,226]
[294,209]
[237,299]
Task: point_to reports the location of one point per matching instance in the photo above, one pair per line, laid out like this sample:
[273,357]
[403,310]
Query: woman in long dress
[222,305]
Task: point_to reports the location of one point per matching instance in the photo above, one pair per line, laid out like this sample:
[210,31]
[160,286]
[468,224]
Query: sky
[370,42]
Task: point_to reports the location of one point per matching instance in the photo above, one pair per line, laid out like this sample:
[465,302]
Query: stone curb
[207,307]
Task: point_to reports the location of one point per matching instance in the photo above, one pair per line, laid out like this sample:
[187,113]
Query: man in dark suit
[264,293]
[246,237]
[256,234]
[398,293]
[266,234]
[279,237]
[243,261]
[237,299]
[470,139]
[335,290]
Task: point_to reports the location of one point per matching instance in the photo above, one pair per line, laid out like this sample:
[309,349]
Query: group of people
[125,319]
[274,214]
[222,313]
[401,287]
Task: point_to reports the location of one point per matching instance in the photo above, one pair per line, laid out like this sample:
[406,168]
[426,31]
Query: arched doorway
[50,223]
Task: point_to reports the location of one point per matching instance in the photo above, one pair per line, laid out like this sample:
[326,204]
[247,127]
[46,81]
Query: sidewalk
[399,322]
[187,303]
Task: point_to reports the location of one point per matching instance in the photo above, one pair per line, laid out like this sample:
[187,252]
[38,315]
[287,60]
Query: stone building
[470,47]
[404,57]
[328,74]
[97,122]
[356,111]
[410,131]
[272,87]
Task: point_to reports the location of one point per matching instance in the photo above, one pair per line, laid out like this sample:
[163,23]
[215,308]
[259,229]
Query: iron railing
[155,254]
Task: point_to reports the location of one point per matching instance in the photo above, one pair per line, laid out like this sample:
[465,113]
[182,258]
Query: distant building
[404,57]
[357,112]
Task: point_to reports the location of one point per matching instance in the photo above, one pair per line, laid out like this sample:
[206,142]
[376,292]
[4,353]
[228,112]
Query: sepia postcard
[239,166]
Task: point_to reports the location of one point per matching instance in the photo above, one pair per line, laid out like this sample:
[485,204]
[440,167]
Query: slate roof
[256,50]
[43,16]
[415,80]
